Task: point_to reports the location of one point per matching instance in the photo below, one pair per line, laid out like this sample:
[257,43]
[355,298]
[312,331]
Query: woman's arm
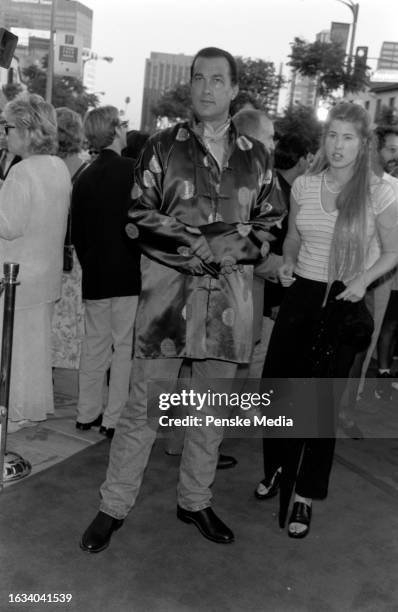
[14,208]
[387,230]
[291,247]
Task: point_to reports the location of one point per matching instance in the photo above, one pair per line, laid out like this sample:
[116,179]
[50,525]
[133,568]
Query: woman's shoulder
[382,193]
[305,182]
[42,162]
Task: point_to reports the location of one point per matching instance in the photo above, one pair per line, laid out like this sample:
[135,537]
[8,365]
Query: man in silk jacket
[201,206]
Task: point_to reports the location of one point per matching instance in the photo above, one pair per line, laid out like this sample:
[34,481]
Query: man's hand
[196,266]
[201,249]
[228,265]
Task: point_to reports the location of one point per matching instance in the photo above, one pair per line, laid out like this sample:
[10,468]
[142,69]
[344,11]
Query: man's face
[389,153]
[211,89]
[121,132]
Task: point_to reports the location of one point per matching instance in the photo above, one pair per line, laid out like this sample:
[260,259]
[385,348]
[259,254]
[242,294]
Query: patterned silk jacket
[185,309]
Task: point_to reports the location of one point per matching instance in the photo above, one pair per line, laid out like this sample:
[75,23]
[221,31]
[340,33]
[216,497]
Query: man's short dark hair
[289,148]
[211,52]
[135,143]
[382,131]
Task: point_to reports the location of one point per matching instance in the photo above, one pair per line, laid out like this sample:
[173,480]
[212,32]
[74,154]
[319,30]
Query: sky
[128,30]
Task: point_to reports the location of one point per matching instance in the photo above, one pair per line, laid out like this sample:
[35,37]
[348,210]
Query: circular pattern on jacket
[193,230]
[188,311]
[267,177]
[228,317]
[244,196]
[168,348]
[148,179]
[244,144]
[186,190]
[184,251]
[182,135]
[132,231]
[136,192]
[243,230]
[154,165]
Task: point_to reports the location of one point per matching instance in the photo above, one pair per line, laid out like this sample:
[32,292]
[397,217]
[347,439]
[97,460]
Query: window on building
[378,108]
[367,104]
[391,102]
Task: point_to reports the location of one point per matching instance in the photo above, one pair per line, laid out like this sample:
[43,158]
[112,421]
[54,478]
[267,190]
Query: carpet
[157,564]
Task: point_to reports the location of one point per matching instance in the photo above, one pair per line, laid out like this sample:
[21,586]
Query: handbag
[340,324]
[69,249]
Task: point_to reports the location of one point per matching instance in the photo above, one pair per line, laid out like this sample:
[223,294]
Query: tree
[67,90]
[258,83]
[300,120]
[174,103]
[259,80]
[326,62]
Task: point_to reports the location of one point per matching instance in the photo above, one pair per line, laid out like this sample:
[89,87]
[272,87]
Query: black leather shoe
[301,513]
[109,432]
[225,462]
[98,535]
[85,426]
[267,490]
[208,523]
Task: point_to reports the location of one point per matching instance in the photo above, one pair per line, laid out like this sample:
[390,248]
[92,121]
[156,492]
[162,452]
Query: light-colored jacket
[34,201]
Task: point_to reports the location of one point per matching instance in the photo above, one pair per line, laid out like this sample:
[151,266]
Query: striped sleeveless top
[316,226]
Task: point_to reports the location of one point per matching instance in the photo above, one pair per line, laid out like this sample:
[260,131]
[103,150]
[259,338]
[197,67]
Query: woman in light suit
[34,201]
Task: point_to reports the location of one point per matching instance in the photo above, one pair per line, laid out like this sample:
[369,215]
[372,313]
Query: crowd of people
[220,249]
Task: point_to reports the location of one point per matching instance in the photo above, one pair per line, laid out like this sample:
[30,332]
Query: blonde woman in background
[34,203]
[68,319]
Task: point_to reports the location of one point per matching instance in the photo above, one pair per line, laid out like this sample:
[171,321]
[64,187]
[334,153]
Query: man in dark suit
[110,266]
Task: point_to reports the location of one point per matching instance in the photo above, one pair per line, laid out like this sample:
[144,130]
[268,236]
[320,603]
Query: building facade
[162,71]
[30,21]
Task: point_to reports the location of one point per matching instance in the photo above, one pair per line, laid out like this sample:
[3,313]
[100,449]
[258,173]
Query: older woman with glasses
[34,201]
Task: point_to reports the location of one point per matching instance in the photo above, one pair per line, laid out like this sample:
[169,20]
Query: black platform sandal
[301,514]
[268,490]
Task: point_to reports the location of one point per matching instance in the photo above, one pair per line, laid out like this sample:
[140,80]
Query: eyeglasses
[7,127]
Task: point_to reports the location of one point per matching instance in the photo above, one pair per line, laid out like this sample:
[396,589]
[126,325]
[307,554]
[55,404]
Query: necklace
[328,188]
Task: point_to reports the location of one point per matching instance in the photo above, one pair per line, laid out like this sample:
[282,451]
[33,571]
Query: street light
[88,56]
[354,8]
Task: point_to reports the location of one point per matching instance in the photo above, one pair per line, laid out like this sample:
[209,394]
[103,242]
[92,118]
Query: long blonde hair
[348,248]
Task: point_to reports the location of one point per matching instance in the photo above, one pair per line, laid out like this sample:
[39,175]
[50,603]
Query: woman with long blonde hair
[343,228]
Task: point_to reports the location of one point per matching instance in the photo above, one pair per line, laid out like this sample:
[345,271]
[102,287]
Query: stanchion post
[9,282]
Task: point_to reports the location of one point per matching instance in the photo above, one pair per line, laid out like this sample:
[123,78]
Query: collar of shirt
[215,140]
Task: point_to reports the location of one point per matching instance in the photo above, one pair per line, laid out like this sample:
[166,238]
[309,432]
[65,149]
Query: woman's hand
[285,273]
[355,290]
